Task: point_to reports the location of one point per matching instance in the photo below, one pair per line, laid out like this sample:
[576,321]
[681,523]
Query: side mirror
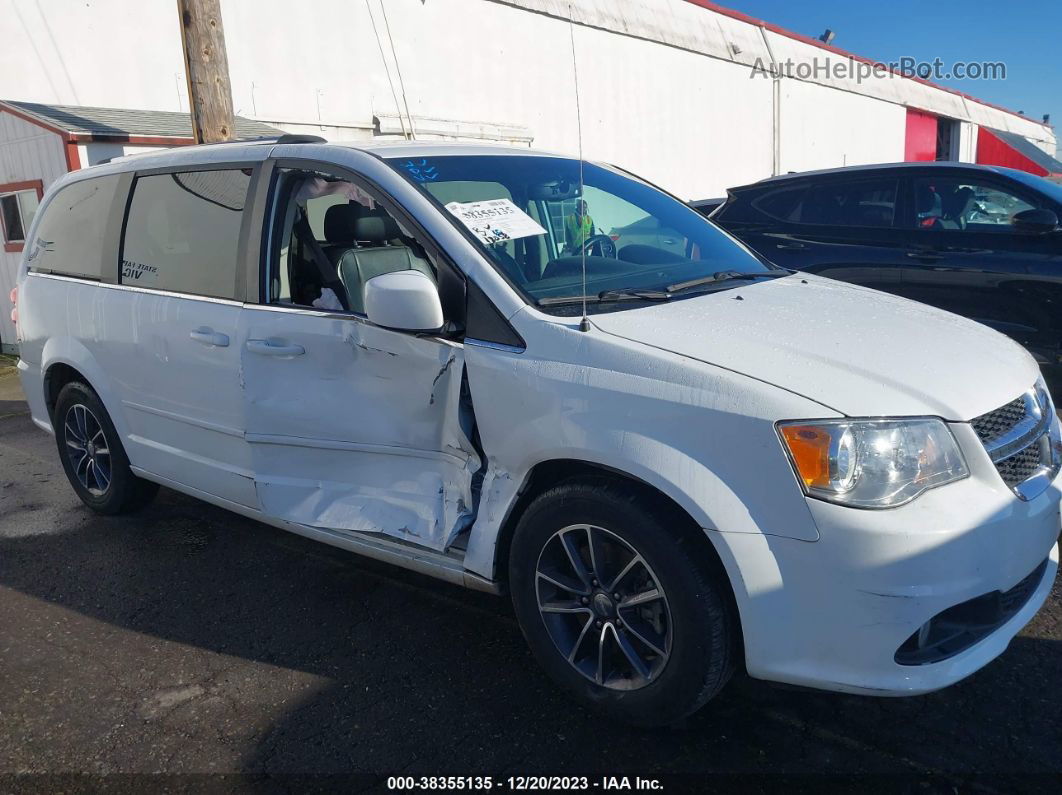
[1035,222]
[404,301]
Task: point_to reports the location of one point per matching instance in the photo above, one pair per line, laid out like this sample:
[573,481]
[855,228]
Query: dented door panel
[353,427]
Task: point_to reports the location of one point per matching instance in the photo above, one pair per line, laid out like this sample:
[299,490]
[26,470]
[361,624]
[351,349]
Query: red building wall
[921,140]
[991,151]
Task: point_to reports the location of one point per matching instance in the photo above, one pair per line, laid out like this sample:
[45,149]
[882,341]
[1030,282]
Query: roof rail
[286,138]
[301,139]
[283,138]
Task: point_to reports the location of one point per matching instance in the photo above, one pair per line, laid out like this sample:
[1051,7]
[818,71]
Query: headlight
[872,463]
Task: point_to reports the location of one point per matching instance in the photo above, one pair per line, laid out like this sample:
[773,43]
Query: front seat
[339,229]
[376,256]
[928,207]
[957,206]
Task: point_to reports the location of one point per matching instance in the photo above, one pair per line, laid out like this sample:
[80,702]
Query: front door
[351,427]
[965,256]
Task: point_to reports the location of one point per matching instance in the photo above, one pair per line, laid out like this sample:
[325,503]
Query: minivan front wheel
[92,454]
[618,606]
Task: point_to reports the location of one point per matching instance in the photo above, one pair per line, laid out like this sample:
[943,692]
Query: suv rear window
[182,232]
[69,238]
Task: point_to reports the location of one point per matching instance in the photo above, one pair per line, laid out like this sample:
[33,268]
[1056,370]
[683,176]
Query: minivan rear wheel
[619,606]
[92,454]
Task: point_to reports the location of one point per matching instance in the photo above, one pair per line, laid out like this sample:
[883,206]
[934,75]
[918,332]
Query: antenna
[584,324]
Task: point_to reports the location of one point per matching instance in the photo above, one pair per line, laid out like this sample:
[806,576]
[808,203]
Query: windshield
[529,216]
[1046,187]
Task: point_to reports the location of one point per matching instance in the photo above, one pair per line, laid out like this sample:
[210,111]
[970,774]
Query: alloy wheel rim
[87,449]
[603,607]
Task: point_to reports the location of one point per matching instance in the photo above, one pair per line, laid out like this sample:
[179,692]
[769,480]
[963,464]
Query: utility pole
[206,66]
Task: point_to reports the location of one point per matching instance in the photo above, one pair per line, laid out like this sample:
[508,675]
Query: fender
[68,351]
[685,428]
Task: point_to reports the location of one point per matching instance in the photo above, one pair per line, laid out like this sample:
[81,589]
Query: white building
[667,88]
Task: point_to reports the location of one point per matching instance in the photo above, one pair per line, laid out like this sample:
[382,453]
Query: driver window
[965,205]
[333,237]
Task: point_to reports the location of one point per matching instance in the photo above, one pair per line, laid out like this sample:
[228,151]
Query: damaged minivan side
[520,372]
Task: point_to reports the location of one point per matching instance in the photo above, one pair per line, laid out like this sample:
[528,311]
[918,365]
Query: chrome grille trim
[1021,428]
[1022,438]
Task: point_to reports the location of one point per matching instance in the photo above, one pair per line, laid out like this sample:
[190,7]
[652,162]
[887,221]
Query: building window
[18,204]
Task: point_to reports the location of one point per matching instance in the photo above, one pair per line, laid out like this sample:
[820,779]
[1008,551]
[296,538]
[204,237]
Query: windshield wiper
[725,276]
[636,292]
[649,294]
[605,296]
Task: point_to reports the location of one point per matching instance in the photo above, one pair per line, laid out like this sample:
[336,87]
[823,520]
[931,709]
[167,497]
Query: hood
[855,350]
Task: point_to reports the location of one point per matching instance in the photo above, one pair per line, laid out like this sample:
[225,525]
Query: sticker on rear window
[137,273]
[495,220]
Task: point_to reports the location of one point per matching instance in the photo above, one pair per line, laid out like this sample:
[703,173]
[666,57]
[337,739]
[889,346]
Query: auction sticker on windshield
[495,220]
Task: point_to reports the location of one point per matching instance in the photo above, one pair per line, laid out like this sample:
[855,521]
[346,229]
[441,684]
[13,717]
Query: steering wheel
[605,245]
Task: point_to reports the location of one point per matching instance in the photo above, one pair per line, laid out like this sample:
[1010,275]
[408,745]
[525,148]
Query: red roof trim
[144,140]
[5,108]
[729,12]
[69,137]
[73,157]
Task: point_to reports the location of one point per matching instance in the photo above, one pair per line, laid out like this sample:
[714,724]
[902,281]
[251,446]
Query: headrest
[339,222]
[962,198]
[927,200]
[376,227]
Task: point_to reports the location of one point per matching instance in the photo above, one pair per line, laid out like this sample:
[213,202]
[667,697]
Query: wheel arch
[58,375]
[65,360]
[549,473]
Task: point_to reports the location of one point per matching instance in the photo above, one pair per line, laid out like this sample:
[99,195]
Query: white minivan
[677,458]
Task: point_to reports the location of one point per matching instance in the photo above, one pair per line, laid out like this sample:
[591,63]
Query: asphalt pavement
[186,641]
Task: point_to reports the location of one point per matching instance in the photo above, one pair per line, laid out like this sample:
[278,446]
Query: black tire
[699,659]
[103,480]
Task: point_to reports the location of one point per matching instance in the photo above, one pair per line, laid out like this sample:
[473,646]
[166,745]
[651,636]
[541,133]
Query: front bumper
[832,614]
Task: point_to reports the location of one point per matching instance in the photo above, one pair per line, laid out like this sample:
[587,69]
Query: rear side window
[782,204]
[70,236]
[182,232]
[836,203]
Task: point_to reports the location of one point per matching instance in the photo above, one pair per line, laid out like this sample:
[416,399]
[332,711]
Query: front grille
[995,424]
[1017,437]
[1021,466]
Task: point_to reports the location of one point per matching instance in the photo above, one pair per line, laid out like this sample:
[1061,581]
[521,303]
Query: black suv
[980,241]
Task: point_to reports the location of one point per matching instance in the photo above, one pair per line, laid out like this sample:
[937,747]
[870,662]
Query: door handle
[207,336]
[272,348]
[926,256]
